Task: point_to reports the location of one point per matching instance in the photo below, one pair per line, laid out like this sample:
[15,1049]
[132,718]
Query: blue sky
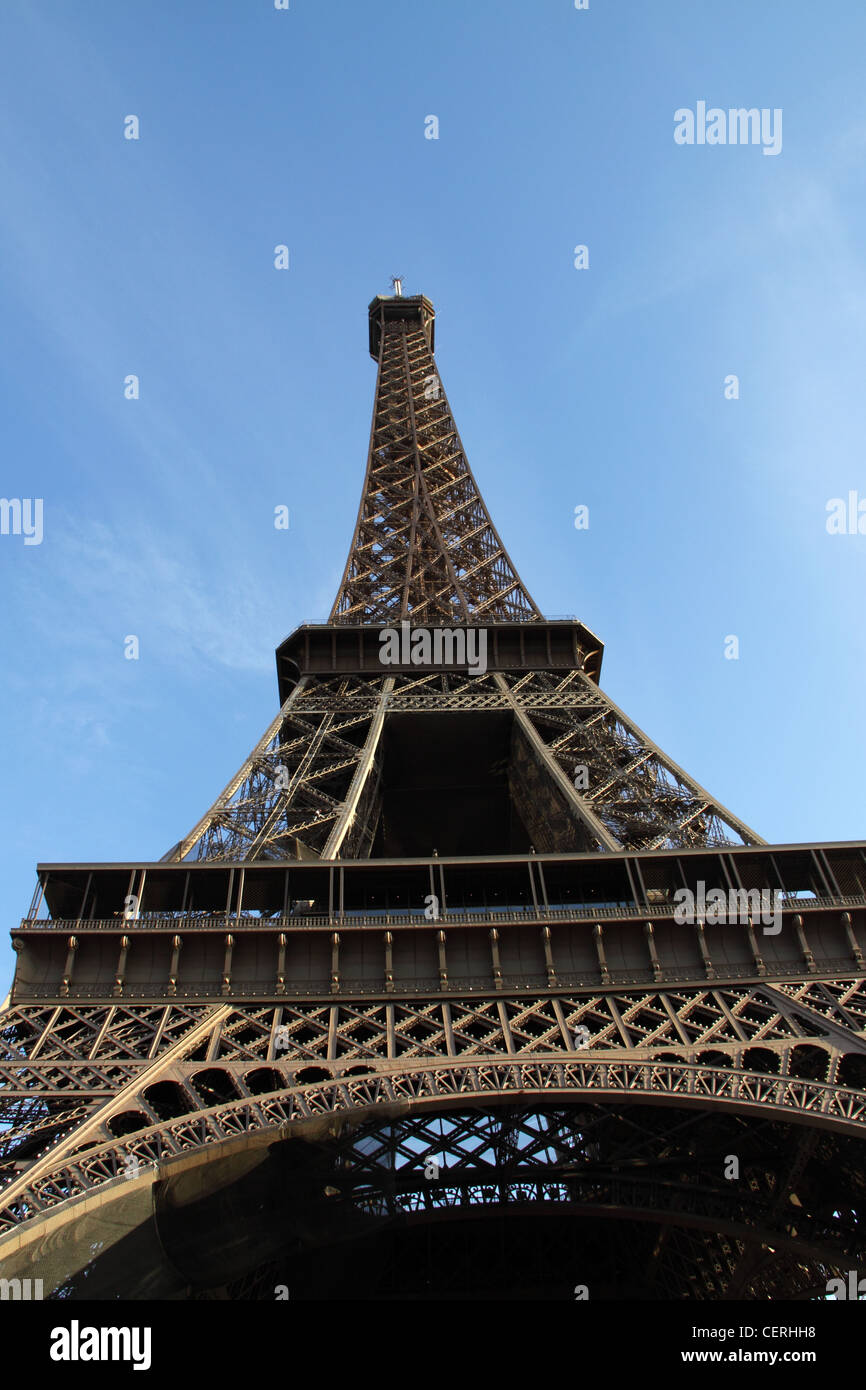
[602,387]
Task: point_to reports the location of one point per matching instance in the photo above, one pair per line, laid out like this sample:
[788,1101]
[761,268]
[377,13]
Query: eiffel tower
[437,999]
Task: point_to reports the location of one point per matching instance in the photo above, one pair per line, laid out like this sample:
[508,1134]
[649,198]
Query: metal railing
[527,915]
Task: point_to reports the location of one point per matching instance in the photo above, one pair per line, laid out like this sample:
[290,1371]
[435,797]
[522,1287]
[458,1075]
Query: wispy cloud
[96,586]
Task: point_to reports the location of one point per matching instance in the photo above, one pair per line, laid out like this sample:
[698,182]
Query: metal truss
[633,796]
[76,1049]
[425,550]
[587,1121]
[301,785]
[91,1090]
[424,545]
[311,786]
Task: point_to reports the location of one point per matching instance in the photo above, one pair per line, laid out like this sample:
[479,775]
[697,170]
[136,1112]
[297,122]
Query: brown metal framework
[415,990]
[425,551]
[424,545]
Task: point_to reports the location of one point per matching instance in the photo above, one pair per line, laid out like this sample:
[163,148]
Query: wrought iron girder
[259,812]
[421,506]
[632,786]
[693,1047]
[636,797]
[446,1087]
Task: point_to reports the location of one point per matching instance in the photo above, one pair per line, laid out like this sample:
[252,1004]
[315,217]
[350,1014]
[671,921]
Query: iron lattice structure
[426,552]
[415,988]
